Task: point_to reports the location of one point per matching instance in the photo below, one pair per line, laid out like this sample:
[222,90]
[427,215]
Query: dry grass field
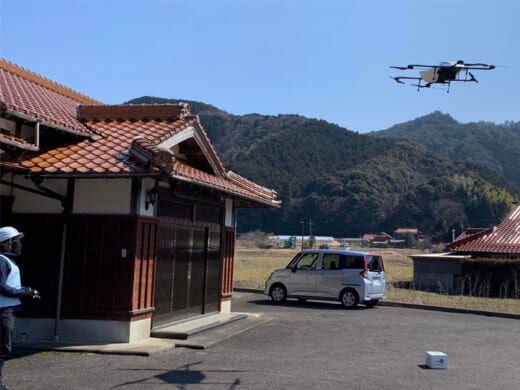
[253,266]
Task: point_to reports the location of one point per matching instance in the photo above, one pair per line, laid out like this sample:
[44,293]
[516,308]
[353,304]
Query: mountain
[481,142]
[349,183]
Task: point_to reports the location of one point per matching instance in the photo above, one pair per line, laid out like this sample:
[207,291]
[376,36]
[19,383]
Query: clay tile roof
[9,139]
[504,239]
[266,196]
[124,139]
[406,230]
[27,93]
[133,111]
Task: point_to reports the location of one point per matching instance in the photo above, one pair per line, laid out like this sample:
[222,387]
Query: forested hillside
[495,146]
[349,183]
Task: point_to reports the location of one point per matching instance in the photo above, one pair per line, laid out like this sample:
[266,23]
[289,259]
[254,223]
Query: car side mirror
[293,268]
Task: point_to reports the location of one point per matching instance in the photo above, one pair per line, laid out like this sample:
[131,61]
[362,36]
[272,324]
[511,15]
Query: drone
[444,73]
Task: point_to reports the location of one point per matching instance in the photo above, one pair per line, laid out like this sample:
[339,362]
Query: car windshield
[304,261]
[293,261]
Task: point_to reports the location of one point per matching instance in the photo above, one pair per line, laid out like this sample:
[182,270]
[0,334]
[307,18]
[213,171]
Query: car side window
[357,262]
[307,261]
[331,261]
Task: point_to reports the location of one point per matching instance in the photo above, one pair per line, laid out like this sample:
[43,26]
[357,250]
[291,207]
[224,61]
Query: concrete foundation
[225,307]
[83,331]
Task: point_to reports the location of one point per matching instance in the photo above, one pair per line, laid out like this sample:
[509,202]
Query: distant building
[402,237]
[444,271]
[377,240]
[496,242]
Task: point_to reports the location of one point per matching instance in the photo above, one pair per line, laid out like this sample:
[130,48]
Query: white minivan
[348,276]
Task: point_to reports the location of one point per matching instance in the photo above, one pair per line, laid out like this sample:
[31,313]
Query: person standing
[11,290]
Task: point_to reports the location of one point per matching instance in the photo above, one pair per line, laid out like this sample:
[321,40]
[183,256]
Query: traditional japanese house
[129,216]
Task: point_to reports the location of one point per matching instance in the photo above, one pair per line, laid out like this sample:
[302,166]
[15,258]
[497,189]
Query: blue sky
[320,59]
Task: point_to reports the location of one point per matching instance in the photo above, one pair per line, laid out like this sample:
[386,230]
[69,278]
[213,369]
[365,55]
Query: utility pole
[303,231]
[310,228]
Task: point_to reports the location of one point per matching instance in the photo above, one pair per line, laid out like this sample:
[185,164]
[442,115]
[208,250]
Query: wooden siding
[144,265]
[100,281]
[228,257]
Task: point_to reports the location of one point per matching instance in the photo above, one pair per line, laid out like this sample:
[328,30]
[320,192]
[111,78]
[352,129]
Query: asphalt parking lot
[306,346]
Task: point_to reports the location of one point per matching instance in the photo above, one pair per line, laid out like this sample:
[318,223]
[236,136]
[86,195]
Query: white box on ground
[435,359]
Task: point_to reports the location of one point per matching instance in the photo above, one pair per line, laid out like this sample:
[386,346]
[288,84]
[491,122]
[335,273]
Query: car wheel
[349,299]
[278,293]
[371,303]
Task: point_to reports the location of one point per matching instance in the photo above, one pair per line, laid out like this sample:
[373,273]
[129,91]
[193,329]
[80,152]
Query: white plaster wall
[28,202]
[229,213]
[102,196]
[147,185]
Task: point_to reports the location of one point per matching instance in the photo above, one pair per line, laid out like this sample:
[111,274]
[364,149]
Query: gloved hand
[32,292]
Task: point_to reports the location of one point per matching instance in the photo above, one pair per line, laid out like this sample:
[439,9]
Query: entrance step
[182,330]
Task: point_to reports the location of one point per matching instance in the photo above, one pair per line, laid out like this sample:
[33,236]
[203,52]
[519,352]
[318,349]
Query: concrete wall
[83,331]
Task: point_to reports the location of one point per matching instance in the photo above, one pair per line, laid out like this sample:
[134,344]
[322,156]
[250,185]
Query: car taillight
[364,273]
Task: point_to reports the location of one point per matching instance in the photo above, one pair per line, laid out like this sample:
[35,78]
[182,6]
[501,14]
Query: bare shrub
[504,289]
[516,285]
[473,281]
[256,238]
[484,287]
[442,288]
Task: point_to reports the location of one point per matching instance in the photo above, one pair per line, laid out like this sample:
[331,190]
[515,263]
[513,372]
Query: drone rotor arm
[398,78]
[412,66]
[479,66]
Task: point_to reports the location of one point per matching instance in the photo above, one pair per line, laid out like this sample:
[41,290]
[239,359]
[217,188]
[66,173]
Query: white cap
[8,232]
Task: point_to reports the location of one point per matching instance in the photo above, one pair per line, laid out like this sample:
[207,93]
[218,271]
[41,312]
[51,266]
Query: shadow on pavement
[181,377]
[296,303]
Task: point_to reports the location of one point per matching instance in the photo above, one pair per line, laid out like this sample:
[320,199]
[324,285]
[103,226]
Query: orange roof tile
[504,239]
[110,149]
[9,139]
[36,96]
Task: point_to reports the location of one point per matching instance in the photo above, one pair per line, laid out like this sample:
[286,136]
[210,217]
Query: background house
[377,240]
[487,258]
[128,214]
[404,237]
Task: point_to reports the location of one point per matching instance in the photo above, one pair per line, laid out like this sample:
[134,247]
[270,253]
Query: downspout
[37,134]
[67,211]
